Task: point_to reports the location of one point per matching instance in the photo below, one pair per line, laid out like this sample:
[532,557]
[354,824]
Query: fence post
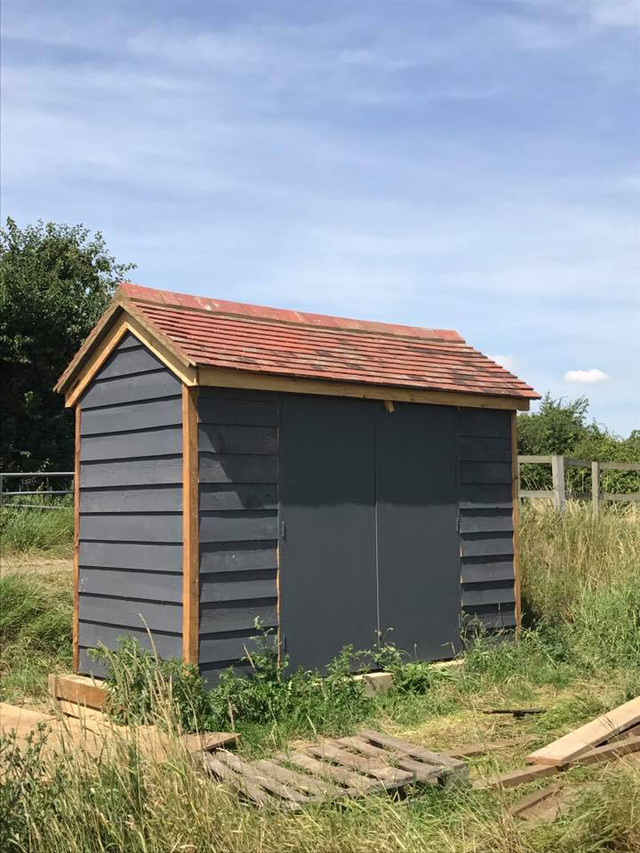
[595,488]
[557,474]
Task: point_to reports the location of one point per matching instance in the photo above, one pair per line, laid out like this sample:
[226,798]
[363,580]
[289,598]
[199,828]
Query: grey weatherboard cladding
[238,439]
[130,537]
[486,517]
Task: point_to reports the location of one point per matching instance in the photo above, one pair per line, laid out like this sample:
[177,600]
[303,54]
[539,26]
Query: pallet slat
[369,766]
[249,771]
[581,740]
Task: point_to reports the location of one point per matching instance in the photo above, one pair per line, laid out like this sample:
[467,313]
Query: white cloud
[507,361]
[589,376]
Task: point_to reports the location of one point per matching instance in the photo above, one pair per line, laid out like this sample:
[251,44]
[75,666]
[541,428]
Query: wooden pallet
[343,767]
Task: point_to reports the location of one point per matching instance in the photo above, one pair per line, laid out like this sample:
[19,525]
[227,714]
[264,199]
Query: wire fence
[27,483]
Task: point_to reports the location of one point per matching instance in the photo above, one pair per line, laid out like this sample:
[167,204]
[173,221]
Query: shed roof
[213,333]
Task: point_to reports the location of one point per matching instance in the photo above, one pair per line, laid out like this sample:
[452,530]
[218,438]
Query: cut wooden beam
[79,689]
[581,740]
[523,805]
[608,752]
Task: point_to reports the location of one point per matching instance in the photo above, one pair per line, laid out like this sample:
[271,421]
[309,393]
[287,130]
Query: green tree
[55,282]
[556,428]
[561,427]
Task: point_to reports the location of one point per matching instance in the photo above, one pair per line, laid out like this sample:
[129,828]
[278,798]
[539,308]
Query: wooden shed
[332,478]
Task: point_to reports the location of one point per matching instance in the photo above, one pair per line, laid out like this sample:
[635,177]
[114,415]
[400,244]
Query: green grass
[35,632]
[579,656]
[33,530]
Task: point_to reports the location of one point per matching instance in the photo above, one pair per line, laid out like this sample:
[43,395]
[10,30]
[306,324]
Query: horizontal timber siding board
[130,612]
[132,499]
[143,415]
[232,496]
[485,496]
[484,423]
[129,341]
[260,440]
[228,468]
[481,546]
[485,472]
[129,361]
[142,556]
[486,520]
[472,449]
[87,665]
[239,557]
[160,441]
[232,616]
[241,526]
[238,586]
[167,644]
[145,386]
[154,586]
[143,527]
[486,570]
[164,471]
[491,617]
[223,650]
[487,594]
[213,410]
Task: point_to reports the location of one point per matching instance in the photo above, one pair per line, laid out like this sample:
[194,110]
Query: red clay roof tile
[217,333]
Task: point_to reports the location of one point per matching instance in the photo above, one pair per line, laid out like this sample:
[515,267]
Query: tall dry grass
[582,594]
[567,555]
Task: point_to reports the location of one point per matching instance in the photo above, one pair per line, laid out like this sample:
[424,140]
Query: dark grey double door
[369,528]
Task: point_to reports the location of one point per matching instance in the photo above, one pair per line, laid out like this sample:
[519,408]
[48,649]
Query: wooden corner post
[515,498]
[76,538]
[190,527]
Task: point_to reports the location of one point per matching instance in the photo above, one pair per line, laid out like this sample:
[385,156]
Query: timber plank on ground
[608,752]
[581,740]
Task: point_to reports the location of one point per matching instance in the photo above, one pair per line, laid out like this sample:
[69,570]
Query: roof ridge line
[459,341]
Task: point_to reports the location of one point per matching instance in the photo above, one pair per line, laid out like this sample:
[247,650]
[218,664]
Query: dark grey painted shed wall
[243,436]
[238,460]
[130,552]
[486,517]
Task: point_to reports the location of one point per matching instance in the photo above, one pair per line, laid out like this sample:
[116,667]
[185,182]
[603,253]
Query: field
[578,655]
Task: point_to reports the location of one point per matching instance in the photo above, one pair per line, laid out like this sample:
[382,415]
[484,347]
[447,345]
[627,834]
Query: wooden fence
[558,492]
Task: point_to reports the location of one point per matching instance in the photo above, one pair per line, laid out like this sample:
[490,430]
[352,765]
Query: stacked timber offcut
[606,738]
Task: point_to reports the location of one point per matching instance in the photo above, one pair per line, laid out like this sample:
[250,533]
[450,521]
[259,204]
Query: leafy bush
[144,689]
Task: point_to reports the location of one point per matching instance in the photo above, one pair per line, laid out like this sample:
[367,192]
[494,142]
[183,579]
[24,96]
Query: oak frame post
[595,488]
[190,527]
[515,499]
[76,540]
[557,474]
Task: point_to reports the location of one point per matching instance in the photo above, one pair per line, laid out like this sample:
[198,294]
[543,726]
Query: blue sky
[462,164]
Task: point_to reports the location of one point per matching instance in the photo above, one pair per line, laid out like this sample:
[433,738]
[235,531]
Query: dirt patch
[36,565]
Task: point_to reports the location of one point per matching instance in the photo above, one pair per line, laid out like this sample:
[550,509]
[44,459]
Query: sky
[464,164]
